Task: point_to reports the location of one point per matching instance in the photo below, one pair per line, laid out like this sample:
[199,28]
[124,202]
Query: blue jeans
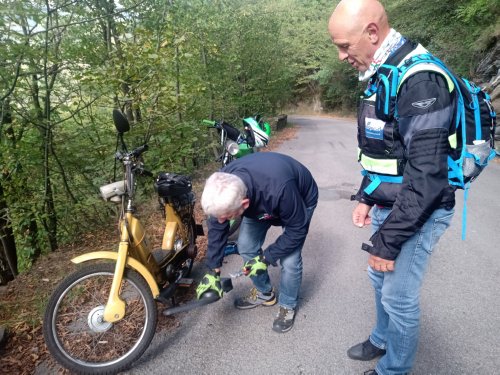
[397,293]
[250,240]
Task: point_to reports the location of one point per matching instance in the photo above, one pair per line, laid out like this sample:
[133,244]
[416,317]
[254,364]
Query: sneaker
[284,320]
[254,299]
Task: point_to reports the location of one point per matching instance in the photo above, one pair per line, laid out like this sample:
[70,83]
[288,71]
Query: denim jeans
[397,293]
[250,240]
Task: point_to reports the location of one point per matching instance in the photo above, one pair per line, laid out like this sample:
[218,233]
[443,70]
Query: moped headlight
[232,147]
[115,189]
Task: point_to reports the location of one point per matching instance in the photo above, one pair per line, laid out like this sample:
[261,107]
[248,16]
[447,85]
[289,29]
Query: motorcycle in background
[236,144]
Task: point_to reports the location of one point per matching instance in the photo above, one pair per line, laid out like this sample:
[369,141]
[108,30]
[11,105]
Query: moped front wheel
[76,333]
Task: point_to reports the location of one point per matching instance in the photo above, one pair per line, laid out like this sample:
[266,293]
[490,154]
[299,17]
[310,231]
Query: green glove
[211,281]
[255,266]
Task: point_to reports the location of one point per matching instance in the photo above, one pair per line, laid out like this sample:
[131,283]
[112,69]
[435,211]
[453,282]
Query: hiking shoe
[254,299]
[284,320]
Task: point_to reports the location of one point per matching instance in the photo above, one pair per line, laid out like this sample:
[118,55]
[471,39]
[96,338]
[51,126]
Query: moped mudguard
[131,262]
[244,149]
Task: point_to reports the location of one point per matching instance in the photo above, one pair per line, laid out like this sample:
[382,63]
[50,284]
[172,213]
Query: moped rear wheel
[192,248]
[76,333]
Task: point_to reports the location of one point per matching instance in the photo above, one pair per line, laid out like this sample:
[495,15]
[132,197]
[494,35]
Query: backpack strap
[377,179]
[426,63]
[397,56]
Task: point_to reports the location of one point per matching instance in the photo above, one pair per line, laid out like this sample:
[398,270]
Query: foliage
[167,65]
[456,31]
[483,12]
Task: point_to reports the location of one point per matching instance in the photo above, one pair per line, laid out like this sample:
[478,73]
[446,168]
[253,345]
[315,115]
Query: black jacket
[421,135]
[279,189]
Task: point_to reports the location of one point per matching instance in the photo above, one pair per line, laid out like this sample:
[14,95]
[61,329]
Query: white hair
[222,194]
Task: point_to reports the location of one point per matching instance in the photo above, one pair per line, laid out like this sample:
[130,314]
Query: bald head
[359,26]
[355,14]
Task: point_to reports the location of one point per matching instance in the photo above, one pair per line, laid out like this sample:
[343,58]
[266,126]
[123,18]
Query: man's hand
[255,266]
[360,216]
[211,281]
[379,264]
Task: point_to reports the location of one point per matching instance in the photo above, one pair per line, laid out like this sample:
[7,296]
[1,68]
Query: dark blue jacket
[280,189]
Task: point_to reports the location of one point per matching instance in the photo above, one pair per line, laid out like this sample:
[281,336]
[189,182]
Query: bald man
[404,194]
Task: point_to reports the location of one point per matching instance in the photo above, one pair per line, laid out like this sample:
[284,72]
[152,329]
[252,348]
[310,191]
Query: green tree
[167,65]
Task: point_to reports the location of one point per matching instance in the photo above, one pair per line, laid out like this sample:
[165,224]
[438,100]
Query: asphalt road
[460,324]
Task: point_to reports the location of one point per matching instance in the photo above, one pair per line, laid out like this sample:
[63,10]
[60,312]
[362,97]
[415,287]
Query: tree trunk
[50,222]
[8,254]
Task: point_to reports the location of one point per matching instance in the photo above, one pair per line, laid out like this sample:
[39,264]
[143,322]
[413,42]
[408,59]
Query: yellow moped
[102,317]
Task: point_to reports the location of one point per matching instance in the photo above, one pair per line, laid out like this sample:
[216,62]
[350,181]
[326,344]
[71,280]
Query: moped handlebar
[231,132]
[134,153]
[143,172]
[209,122]
[139,150]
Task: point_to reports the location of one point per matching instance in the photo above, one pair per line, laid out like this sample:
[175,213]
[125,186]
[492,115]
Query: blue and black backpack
[475,120]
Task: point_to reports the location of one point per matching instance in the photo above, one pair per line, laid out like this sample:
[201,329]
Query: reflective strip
[384,166]
[419,67]
[453,140]
[370,98]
